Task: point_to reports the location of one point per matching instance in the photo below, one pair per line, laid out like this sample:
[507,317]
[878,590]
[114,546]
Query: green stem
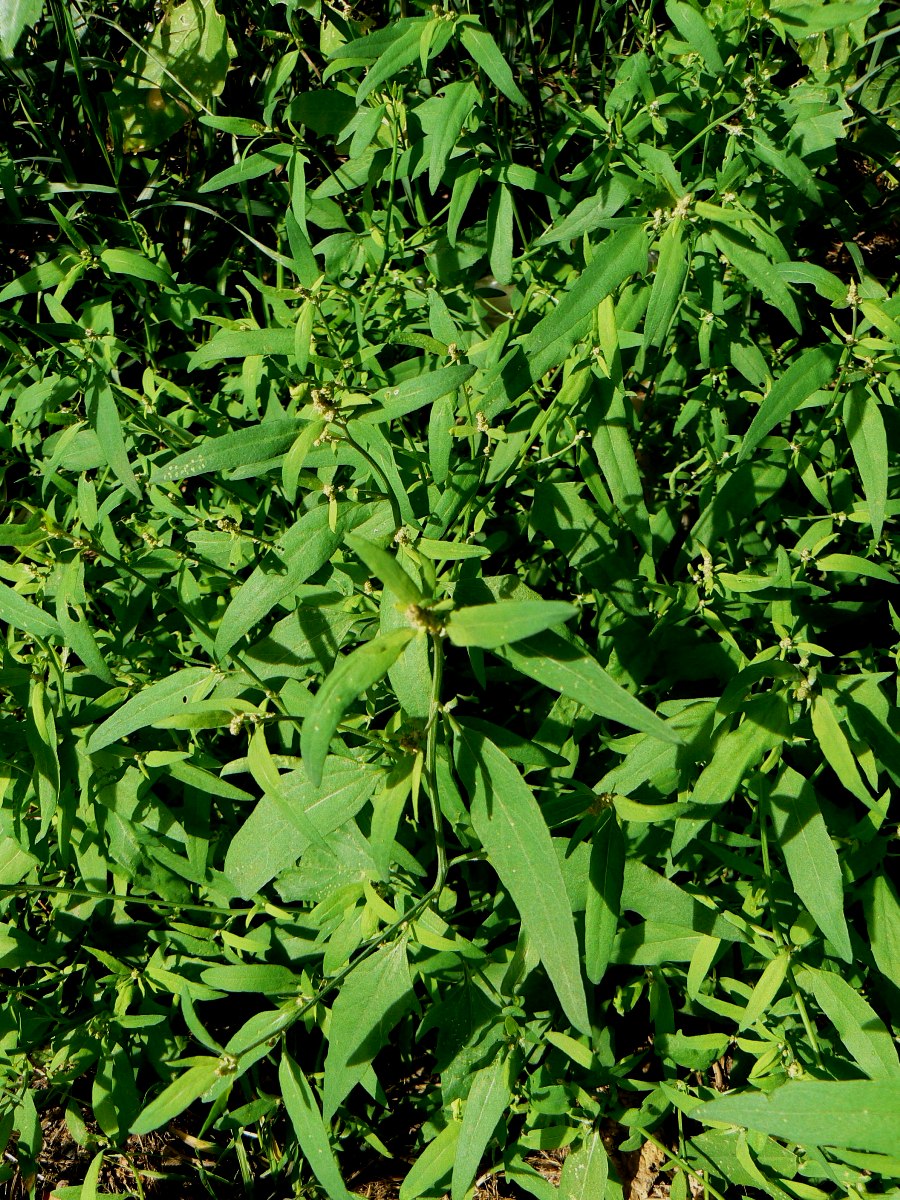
[388,211]
[431,762]
[40,889]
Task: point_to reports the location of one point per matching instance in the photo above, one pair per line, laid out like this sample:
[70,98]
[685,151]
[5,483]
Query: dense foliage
[448,696]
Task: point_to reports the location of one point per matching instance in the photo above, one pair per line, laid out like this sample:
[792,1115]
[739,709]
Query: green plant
[448,689]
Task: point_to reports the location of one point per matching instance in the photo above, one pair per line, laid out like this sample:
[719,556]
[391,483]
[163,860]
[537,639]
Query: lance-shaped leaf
[415,393]
[810,372]
[162,699]
[429,1172]
[834,745]
[741,252]
[868,441]
[242,343]
[604,895]
[560,664]
[15,610]
[671,270]
[303,1110]
[385,565]
[402,51]
[585,1170]
[372,999]
[858,1114]
[486,54]
[349,678]
[271,838]
[305,548]
[486,1103]
[811,858]
[493,625]
[864,1035]
[623,253]
[883,924]
[457,101]
[264,771]
[104,417]
[691,25]
[237,449]
[187,1088]
[15,17]
[515,836]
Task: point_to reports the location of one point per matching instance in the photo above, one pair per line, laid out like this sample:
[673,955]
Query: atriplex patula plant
[448,689]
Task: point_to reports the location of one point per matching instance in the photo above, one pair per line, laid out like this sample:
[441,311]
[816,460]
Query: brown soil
[167,1163]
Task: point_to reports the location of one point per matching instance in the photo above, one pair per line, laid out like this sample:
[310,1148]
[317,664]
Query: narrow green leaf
[161,699]
[386,567]
[863,1033]
[834,745]
[242,343]
[264,771]
[305,548]
[349,678]
[92,1178]
[487,1101]
[765,990]
[764,728]
[401,53]
[15,610]
[463,186]
[500,234]
[303,1110]
[40,278]
[854,564]
[486,53]
[604,895]
[613,449]
[811,858]
[883,922]
[15,17]
[493,625]
[415,393]
[296,457]
[515,836]
[623,253]
[252,167]
[806,20]
[614,191]
[440,439]
[15,863]
[135,266]
[237,449]
[372,999]
[271,838]
[661,900]
[859,1114]
[695,31]
[303,331]
[585,1170]
[671,269]
[431,1169]
[810,372]
[457,101]
[269,979]
[557,663]
[187,1088]
[868,441]
[78,634]
[743,254]
[104,417]
[439,551]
